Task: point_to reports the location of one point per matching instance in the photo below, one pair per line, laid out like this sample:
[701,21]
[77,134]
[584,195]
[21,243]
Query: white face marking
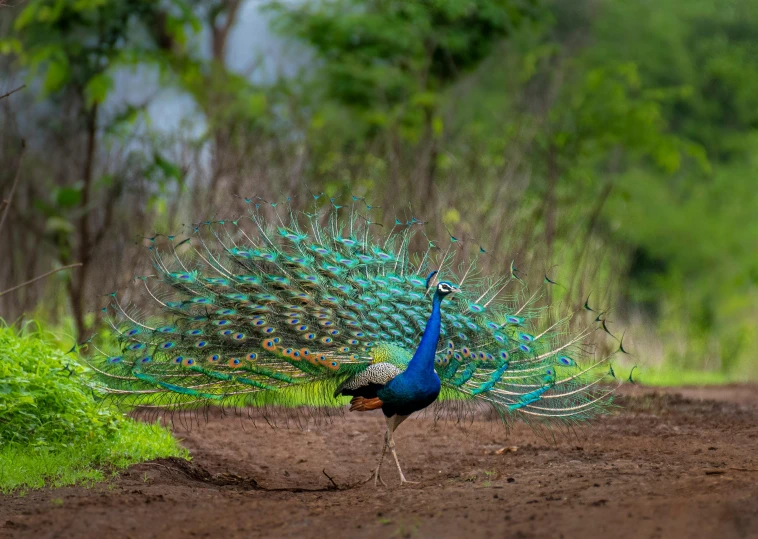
[444,288]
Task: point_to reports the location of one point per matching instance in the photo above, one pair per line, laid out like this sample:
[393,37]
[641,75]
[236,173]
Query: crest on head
[430,277]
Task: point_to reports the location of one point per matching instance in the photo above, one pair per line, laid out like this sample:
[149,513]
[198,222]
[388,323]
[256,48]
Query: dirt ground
[674,463]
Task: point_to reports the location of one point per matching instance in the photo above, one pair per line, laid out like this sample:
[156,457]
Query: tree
[77,46]
[388,63]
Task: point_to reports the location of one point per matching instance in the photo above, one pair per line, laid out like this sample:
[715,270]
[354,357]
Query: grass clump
[676,377]
[52,430]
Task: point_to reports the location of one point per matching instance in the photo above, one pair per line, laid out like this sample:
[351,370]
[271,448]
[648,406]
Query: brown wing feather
[362,404]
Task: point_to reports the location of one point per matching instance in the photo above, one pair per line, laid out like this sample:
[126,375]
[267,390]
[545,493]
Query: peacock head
[444,288]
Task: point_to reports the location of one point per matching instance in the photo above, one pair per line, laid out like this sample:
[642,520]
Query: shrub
[52,427]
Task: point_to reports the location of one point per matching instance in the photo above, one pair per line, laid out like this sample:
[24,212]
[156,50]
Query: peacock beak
[454,289]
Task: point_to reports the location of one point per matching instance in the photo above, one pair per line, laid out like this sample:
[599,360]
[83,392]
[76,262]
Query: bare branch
[12,91]
[40,277]
[220,31]
[13,187]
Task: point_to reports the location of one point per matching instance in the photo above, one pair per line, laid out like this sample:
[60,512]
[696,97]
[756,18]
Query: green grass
[84,461]
[52,429]
[672,377]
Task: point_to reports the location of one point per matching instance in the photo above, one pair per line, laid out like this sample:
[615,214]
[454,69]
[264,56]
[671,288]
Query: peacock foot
[376,476]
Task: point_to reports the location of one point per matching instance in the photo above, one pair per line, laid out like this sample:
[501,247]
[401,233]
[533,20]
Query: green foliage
[74,49]
[84,461]
[388,61]
[607,143]
[42,403]
[693,232]
[702,53]
[51,427]
[644,143]
[76,44]
[673,377]
[399,52]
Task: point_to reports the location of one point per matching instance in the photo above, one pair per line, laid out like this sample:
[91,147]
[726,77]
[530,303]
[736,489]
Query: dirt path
[665,465]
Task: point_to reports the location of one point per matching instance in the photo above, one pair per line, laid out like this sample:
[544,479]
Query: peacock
[302,310]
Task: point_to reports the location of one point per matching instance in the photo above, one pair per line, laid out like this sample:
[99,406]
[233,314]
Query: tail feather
[285,310]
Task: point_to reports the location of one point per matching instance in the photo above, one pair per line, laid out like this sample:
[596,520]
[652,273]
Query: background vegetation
[607,144]
[51,428]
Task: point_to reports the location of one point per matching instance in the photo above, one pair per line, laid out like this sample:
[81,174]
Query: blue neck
[423,359]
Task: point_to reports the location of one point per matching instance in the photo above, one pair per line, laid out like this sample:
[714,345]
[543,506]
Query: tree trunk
[78,284]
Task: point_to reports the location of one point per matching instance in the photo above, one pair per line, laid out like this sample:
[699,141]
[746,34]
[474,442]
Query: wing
[368,381]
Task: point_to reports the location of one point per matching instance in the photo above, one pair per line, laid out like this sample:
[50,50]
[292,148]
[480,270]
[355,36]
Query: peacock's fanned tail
[282,310]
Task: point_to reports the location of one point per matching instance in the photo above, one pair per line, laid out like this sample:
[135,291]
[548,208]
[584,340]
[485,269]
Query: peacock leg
[393,423]
[378,477]
[375,474]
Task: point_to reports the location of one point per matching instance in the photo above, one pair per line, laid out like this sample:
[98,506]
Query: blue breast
[408,393]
